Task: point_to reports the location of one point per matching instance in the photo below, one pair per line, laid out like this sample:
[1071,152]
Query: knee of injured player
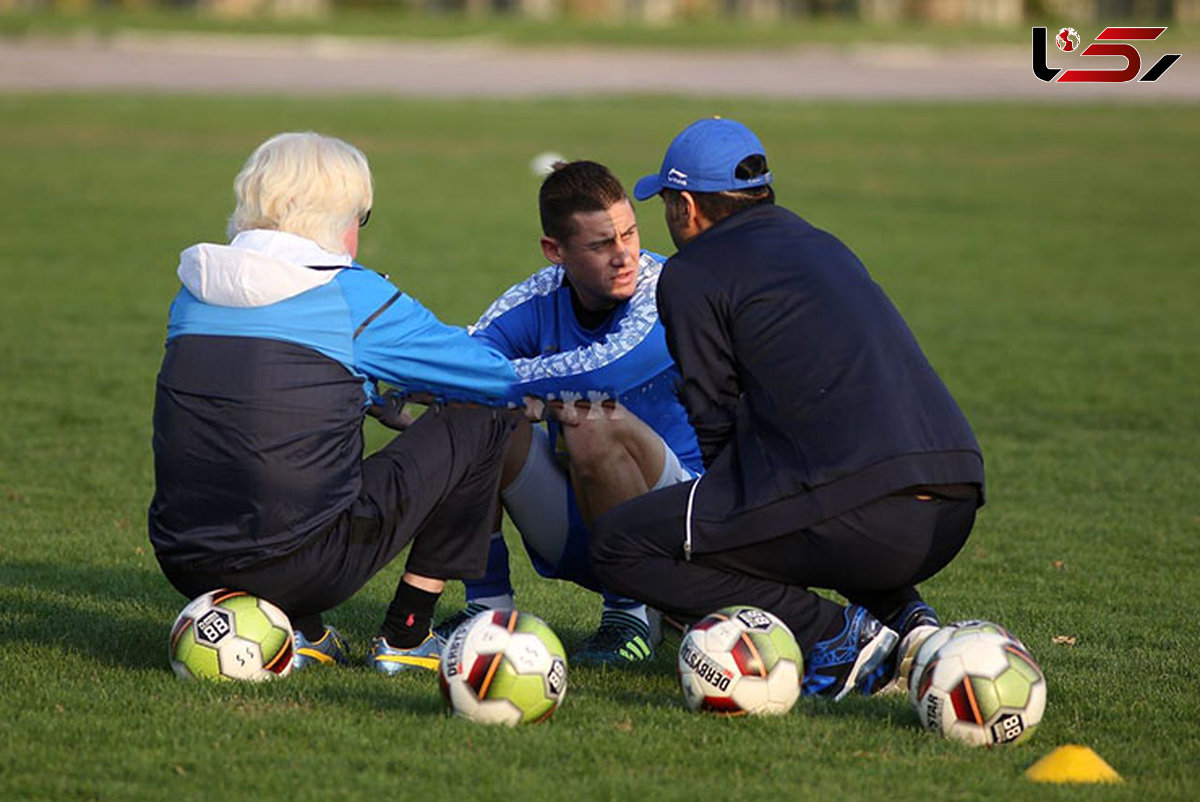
[597,436]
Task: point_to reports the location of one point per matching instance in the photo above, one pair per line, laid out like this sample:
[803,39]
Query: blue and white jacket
[274,348]
[534,325]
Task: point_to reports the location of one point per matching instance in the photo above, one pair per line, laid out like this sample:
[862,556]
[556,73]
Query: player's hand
[535,409]
[538,410]
[570,413]
[390,411]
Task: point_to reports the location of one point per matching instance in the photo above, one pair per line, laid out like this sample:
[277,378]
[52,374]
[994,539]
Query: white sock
[637,611]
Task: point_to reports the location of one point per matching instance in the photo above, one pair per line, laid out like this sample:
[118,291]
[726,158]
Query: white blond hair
[306,184]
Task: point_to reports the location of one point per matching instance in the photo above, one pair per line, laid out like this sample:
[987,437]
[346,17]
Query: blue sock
[495,581]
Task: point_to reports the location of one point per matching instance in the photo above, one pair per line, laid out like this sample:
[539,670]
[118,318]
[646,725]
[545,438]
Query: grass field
[1047,258]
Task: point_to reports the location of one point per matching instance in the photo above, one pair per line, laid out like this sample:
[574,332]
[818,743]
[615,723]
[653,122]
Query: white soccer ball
[230,634]
[931,644]
[738,661]
[503,667]
[980,687]
[542,164]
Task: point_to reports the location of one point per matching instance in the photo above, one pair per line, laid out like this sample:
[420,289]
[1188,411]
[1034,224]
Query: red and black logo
[1114,43]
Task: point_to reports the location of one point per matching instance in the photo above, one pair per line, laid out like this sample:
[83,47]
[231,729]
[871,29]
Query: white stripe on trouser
[687,526]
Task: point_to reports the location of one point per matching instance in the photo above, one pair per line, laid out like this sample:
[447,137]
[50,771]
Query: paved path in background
[222,64]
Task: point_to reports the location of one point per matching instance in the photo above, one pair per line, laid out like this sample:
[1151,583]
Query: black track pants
[873,555]
[435,486]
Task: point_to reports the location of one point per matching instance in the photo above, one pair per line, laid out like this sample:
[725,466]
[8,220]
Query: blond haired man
[275,345]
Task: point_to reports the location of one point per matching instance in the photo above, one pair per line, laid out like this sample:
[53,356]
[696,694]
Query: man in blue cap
[835,457]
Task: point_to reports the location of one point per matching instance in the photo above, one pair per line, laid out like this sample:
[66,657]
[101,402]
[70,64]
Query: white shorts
[541,502]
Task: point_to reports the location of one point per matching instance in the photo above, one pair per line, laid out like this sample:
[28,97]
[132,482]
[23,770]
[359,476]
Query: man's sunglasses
[366,218]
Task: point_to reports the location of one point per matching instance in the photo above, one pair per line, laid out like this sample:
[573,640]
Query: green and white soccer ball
[980,687]
[740,661]
[503,667]
[931,644]
[230,634]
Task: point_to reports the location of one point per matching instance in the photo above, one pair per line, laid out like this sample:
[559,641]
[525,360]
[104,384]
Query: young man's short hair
[305,184]
[579,186]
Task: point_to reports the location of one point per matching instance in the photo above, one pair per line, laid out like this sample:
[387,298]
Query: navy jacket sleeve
[694,311]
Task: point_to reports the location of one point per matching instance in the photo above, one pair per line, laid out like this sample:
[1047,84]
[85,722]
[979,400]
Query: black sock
[311,626]
[408,617]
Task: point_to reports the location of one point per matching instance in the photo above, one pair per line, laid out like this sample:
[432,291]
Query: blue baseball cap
[703,159]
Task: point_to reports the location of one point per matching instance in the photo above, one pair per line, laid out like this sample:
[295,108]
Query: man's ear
[683,208]
[552,250]
[688,210]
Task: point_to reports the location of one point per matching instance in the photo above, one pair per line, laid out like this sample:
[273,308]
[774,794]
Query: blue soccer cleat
[387,659]
[330,649]
[854,659]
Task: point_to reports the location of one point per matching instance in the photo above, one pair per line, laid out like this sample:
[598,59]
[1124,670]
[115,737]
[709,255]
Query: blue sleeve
[511,324]
[633,353]
[508,335]
[399,341]
[612,366]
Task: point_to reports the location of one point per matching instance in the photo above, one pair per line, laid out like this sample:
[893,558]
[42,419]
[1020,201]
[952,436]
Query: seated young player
[588,322]
[274,346]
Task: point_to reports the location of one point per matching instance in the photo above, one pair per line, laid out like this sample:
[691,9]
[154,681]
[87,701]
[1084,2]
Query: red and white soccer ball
[976,684]
[503,667]
[230,634]
[739,661]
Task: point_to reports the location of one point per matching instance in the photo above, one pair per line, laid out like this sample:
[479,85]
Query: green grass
[702,32]
[1045,257]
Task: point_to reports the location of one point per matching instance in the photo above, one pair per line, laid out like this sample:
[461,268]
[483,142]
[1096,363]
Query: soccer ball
[504,667]
[740,660]
[980,687]
[542,164]
[229,634]
[931,644]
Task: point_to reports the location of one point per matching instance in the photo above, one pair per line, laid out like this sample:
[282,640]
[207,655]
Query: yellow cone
[1072,764]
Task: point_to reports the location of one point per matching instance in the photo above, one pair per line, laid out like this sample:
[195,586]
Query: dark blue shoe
[854,659]
[621,640]
[444,629]
[912,615]
[915,622]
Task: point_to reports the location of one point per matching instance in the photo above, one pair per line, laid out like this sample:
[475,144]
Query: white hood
[258,268]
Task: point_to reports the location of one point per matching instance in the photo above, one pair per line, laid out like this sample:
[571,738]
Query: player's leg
[494,591]
[874,556]
[614,457]
[934,523]
[545,509]
[433,486]
[638,550]
[629,630]
[462,456]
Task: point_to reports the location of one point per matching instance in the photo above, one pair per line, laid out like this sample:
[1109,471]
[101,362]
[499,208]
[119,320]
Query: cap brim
[647,187]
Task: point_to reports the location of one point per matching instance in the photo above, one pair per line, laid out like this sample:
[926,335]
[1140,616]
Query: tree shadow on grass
[106,612]
[118,615]
[417,695]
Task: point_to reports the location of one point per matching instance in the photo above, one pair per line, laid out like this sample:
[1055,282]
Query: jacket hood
[257,268]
